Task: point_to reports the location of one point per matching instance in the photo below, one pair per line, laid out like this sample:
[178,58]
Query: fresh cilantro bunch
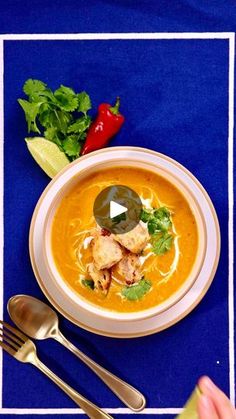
[159,227]
[61,116]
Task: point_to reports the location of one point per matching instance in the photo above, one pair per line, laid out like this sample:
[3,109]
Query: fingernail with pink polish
[208,383]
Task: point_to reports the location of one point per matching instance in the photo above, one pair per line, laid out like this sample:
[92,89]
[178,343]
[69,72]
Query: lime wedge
[190,408]
[47,154]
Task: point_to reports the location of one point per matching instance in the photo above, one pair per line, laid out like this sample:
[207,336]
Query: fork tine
[8,348]
[14,331]
[11,336]
[9,341]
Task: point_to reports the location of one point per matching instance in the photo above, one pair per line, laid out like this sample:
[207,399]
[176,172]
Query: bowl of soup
[135,273]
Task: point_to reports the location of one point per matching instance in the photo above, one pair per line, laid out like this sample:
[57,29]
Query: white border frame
[119,36]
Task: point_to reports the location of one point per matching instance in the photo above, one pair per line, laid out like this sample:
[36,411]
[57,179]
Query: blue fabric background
[45,16]
[175,99]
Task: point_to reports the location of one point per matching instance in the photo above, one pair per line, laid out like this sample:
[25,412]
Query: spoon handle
[128,394]
[89,408]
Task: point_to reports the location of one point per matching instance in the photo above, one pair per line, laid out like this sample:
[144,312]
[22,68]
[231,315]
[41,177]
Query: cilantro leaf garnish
[89,283]
[161,243]
[157,219]
[137,291]
[153,225]
[145,215]
[162,215]
[159,225]
[61,117]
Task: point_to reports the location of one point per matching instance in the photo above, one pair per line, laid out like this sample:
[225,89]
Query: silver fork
[23,349]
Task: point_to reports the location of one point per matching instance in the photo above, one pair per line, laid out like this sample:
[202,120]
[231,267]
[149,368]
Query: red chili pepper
[108,122]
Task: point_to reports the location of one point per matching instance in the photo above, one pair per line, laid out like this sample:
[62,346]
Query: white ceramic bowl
[56,289]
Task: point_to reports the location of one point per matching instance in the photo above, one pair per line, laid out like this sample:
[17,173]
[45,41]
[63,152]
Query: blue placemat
[175,99]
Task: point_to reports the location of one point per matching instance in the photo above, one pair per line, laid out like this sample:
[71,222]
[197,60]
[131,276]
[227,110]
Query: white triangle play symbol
[116,209]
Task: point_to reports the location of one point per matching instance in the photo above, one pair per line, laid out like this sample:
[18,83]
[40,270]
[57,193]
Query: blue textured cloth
[175,99]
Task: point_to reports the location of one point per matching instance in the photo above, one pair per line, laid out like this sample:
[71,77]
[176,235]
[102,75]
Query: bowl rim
[138,149]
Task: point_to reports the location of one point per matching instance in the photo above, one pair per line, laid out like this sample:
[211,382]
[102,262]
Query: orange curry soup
[74,221]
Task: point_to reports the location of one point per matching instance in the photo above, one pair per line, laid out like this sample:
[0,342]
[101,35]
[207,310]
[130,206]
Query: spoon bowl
[35,318]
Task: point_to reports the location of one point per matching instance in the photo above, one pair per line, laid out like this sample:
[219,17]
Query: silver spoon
[39,321]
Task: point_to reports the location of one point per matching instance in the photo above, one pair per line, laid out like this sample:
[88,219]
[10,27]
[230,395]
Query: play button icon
[117,208]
